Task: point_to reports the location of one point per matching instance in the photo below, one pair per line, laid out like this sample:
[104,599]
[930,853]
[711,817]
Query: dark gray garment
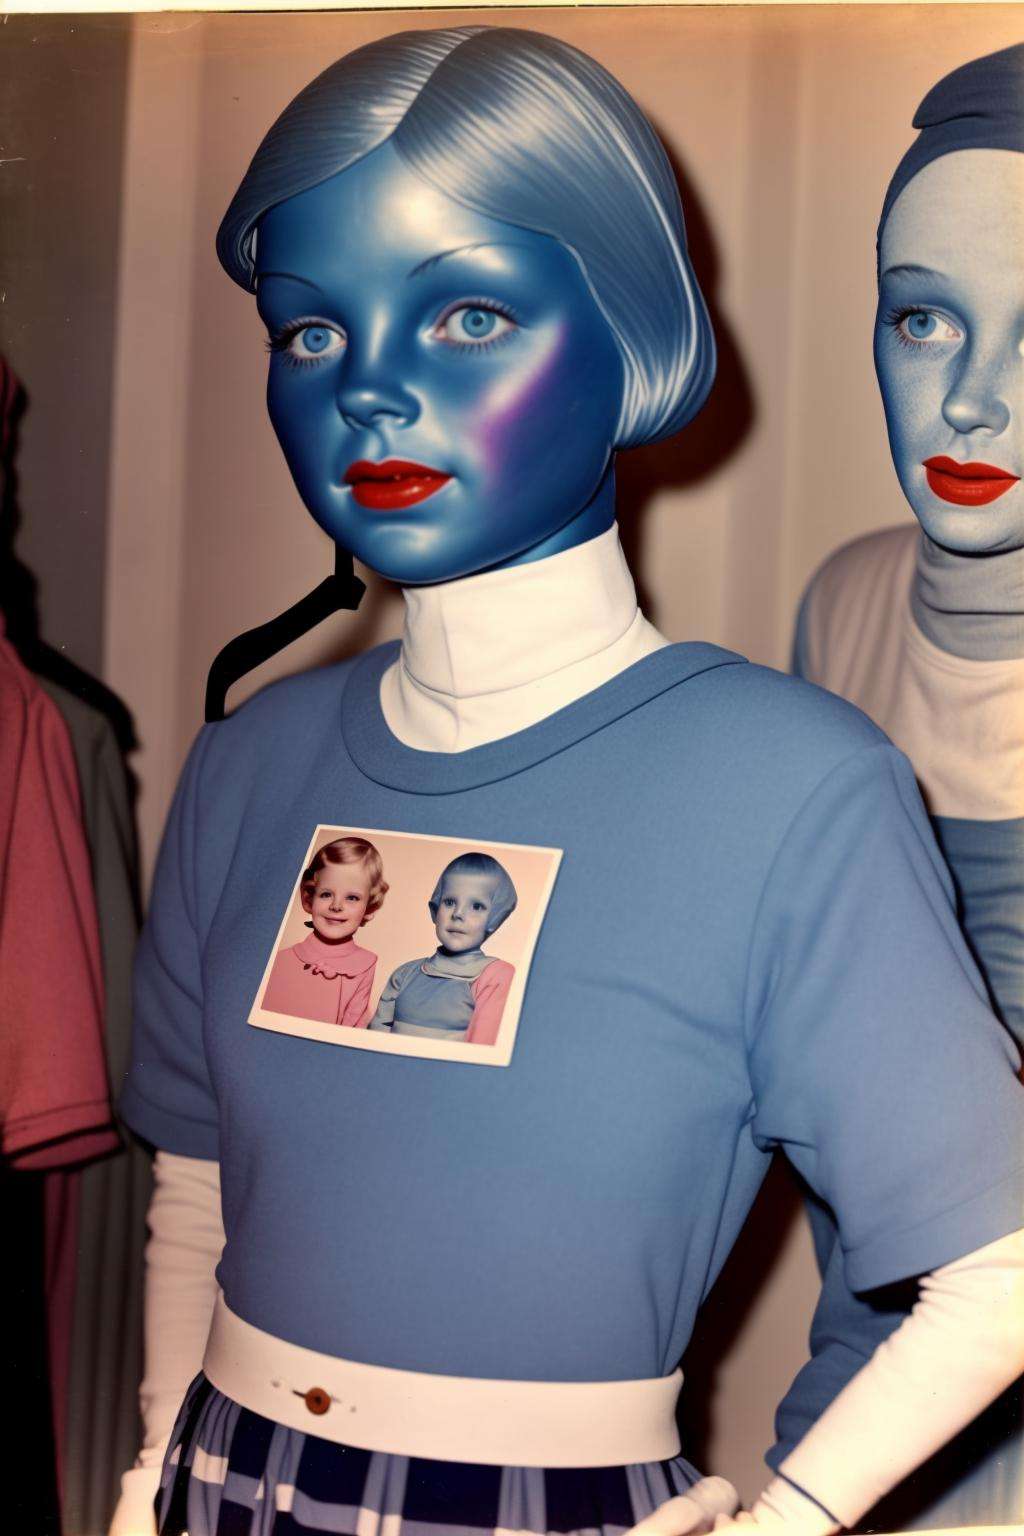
[104,1431]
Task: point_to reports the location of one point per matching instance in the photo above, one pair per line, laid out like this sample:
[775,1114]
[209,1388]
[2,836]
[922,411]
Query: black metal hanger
[255,646]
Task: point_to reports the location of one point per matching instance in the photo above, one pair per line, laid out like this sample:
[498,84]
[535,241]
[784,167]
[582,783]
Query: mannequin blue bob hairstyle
[526,129]
[520,128]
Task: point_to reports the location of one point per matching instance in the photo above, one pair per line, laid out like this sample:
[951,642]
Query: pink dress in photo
[326,982]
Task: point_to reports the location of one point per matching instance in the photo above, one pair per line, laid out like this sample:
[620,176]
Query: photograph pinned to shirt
[409,944]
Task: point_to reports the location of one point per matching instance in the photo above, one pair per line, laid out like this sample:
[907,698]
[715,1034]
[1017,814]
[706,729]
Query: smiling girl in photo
[328,976]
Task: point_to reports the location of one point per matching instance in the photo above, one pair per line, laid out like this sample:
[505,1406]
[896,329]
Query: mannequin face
[443,384]
[949,347]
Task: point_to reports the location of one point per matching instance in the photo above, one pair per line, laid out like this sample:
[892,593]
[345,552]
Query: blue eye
[315,338]
[315,341]
[919,325]
[478,323]
[307,342]
[473,324]
[923,325]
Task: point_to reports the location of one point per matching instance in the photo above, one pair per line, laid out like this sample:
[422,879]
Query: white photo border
[497,1055]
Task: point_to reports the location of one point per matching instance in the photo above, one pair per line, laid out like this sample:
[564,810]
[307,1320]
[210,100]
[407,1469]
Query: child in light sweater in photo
[458,992]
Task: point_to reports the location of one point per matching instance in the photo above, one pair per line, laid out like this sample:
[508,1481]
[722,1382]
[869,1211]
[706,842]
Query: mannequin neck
[489,655]
[970,605]
[589,523]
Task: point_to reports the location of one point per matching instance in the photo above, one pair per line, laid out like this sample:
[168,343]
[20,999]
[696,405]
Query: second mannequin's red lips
[392,483]
[966,485]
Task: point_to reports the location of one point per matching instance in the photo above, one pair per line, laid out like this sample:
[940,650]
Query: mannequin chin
[949,347]
[407,330]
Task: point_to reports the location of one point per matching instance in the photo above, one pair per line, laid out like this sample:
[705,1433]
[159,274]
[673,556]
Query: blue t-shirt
[750,944]
[958,721]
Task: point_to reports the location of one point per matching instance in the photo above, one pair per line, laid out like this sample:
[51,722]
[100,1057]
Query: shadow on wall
[19,597]
[79,1404]
[719,431]
[746,1274]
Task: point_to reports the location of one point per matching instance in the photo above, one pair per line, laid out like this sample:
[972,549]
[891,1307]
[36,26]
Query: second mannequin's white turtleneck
[489,655]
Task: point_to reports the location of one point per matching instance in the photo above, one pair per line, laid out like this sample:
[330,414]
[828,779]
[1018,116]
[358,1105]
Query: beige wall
[786,124]
[61,132]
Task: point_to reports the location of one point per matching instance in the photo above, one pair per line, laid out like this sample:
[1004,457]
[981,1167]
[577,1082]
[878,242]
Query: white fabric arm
[961,1345]
[185,1244]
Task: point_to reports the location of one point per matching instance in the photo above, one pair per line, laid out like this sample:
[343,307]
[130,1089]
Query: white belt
[445,1418]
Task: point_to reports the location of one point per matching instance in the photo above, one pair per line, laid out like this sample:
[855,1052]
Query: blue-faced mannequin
[949,336]
[533,157]
[949,351]
[925,631]
[406,327]
[949,342]
[480,316]
[415,136]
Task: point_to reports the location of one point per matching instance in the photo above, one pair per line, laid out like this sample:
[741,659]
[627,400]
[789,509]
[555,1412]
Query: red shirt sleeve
[489,993]
[54,1094]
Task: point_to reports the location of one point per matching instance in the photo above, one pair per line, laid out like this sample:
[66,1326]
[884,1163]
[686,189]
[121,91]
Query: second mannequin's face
[443,384]
[949,347]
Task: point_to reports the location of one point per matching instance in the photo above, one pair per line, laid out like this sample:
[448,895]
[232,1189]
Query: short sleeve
[875,1060]
[167,1098]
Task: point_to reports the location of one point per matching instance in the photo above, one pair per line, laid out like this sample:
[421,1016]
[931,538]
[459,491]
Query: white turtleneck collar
[970,606]
[489,655]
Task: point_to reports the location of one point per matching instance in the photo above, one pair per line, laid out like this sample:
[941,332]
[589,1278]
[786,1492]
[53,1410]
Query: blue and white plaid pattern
[230,1472]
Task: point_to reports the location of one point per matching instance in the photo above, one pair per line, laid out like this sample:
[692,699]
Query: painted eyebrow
[293,277]
[460,250]
[910,269]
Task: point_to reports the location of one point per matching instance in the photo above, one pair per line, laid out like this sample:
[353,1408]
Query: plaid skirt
[230,1472]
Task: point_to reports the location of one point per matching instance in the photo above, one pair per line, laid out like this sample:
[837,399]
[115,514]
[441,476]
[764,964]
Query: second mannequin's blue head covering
[978,106]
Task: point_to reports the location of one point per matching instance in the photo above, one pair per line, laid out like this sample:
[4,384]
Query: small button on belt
[317,1400]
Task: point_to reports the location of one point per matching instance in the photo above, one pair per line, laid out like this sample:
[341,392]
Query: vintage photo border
[497,1055]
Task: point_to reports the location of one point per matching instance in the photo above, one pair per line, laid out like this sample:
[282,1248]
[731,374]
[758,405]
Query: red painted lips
[393,483]
[967,485]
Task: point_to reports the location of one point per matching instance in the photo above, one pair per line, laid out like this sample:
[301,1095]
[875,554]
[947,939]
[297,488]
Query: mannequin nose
[365,402]
[975,400]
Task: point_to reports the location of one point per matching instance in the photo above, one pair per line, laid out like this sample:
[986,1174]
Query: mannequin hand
[134,1515]
[763,1524]
[781,1510]
[693,1513]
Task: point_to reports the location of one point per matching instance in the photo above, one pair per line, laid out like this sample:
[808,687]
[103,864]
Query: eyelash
[895,318]
[280,340]
[493,306]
